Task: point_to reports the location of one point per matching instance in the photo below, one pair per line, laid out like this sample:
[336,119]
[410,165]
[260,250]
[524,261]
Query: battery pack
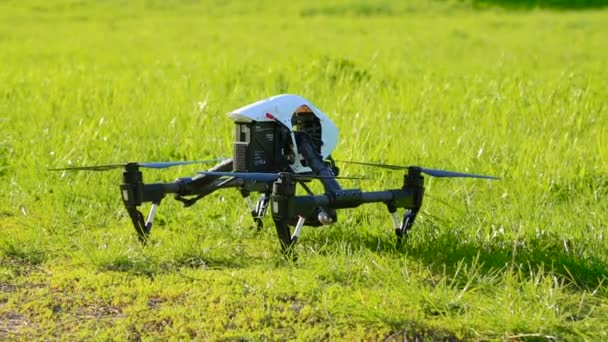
[258,147]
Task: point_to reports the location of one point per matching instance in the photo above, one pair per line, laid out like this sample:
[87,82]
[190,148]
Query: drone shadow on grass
[445,251]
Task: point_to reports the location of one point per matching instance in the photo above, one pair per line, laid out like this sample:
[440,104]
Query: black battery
[258,147]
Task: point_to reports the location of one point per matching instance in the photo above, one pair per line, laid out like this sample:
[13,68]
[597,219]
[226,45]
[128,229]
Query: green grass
[517,94]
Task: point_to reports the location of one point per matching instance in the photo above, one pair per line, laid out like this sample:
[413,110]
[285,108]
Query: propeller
[430,172]
[151,165]
[268,177]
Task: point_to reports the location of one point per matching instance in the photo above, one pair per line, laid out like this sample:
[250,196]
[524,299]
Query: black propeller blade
[151,165]
[430,172]
[444,173]
[267,177]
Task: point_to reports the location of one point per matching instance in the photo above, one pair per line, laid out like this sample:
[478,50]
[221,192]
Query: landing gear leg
[283,192]
[257,211]
[260,210]
[284,234]
[406,224]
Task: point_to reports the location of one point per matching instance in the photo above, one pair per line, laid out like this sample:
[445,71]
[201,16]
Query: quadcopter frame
[279,192]
[281,142]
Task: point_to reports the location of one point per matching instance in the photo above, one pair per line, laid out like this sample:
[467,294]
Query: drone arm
[202,184]
[399,198]
[134,194]
[157,191]
[285,205]
[315,162]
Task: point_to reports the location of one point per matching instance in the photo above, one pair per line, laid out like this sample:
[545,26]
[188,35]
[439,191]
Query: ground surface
[519,94]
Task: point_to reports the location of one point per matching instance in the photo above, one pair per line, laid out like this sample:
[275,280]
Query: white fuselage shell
[283,107]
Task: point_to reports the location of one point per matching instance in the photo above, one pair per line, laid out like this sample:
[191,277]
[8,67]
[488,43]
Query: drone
[280,143]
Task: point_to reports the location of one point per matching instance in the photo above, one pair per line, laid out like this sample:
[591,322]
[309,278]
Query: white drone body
[280,143]
[284,108]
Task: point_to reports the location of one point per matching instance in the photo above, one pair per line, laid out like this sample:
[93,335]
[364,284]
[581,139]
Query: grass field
[518,94]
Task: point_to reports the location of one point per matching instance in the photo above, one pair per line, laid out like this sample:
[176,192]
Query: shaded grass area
[345,300]
[570,262]
[442,286]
